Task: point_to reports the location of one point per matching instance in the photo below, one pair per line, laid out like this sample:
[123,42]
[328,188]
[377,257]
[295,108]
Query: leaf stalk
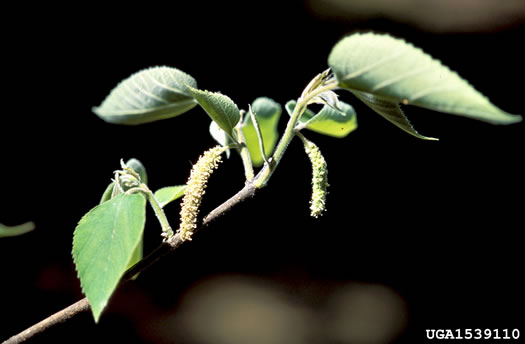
[167,231]
[244,153]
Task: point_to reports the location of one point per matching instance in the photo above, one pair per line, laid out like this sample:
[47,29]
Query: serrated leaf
[148,95]
[219,107]
[169,194]
[138,167]
[103,244]
[268,113]
[399,72]
[9,231]
[391,111]
[329,121]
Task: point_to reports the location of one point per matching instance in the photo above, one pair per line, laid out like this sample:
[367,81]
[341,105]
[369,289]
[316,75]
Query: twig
[166,247]
[246,192]
[259,181]
[55,319]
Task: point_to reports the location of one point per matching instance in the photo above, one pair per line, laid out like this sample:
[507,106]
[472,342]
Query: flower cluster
[195,189]
[319,179]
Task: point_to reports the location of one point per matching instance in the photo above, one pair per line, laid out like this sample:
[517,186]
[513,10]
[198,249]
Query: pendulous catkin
[319,179]
[195,188]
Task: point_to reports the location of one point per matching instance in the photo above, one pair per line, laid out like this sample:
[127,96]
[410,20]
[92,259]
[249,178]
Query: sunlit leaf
[220,136]
[149,95]
[169,194]
[104,242]
[268,113]
[397,72]
[329,121]
[219,107]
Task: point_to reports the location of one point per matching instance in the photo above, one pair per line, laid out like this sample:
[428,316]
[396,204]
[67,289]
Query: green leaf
[220,136]
[106,196]
[268,113]
[9,231]
[258,132]
[169,194]
[398,72]
[329,121]
[219,107]
[136,256]
[138,253]
[149,95]
[138,167]
[103,244]
[391,111]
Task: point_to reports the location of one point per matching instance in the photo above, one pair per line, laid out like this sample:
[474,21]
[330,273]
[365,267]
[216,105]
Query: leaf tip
[514,119]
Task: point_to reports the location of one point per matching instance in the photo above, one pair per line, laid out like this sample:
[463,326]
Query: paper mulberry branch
[165,248]
[382,78]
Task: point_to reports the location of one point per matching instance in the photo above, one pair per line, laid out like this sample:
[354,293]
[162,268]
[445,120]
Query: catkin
[195,188]
[319,179]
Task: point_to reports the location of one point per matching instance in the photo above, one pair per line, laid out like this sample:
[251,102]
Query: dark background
[438,223]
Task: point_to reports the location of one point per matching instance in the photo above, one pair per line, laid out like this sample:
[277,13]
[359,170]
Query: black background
[438,222]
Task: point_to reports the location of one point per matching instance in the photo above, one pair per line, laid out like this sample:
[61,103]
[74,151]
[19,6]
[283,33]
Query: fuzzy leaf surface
[268,113]
[148,95]
[104,242]
[219,107]
[399,72]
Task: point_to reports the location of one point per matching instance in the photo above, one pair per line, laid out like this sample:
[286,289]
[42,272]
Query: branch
[246,192]
[322,84]
[166,247]
[55,319]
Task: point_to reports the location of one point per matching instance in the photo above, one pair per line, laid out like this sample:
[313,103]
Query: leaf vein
[430,90]
[170,75]
[400,78]
[374,65]
[162,83]
[132,95]
[143,91]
